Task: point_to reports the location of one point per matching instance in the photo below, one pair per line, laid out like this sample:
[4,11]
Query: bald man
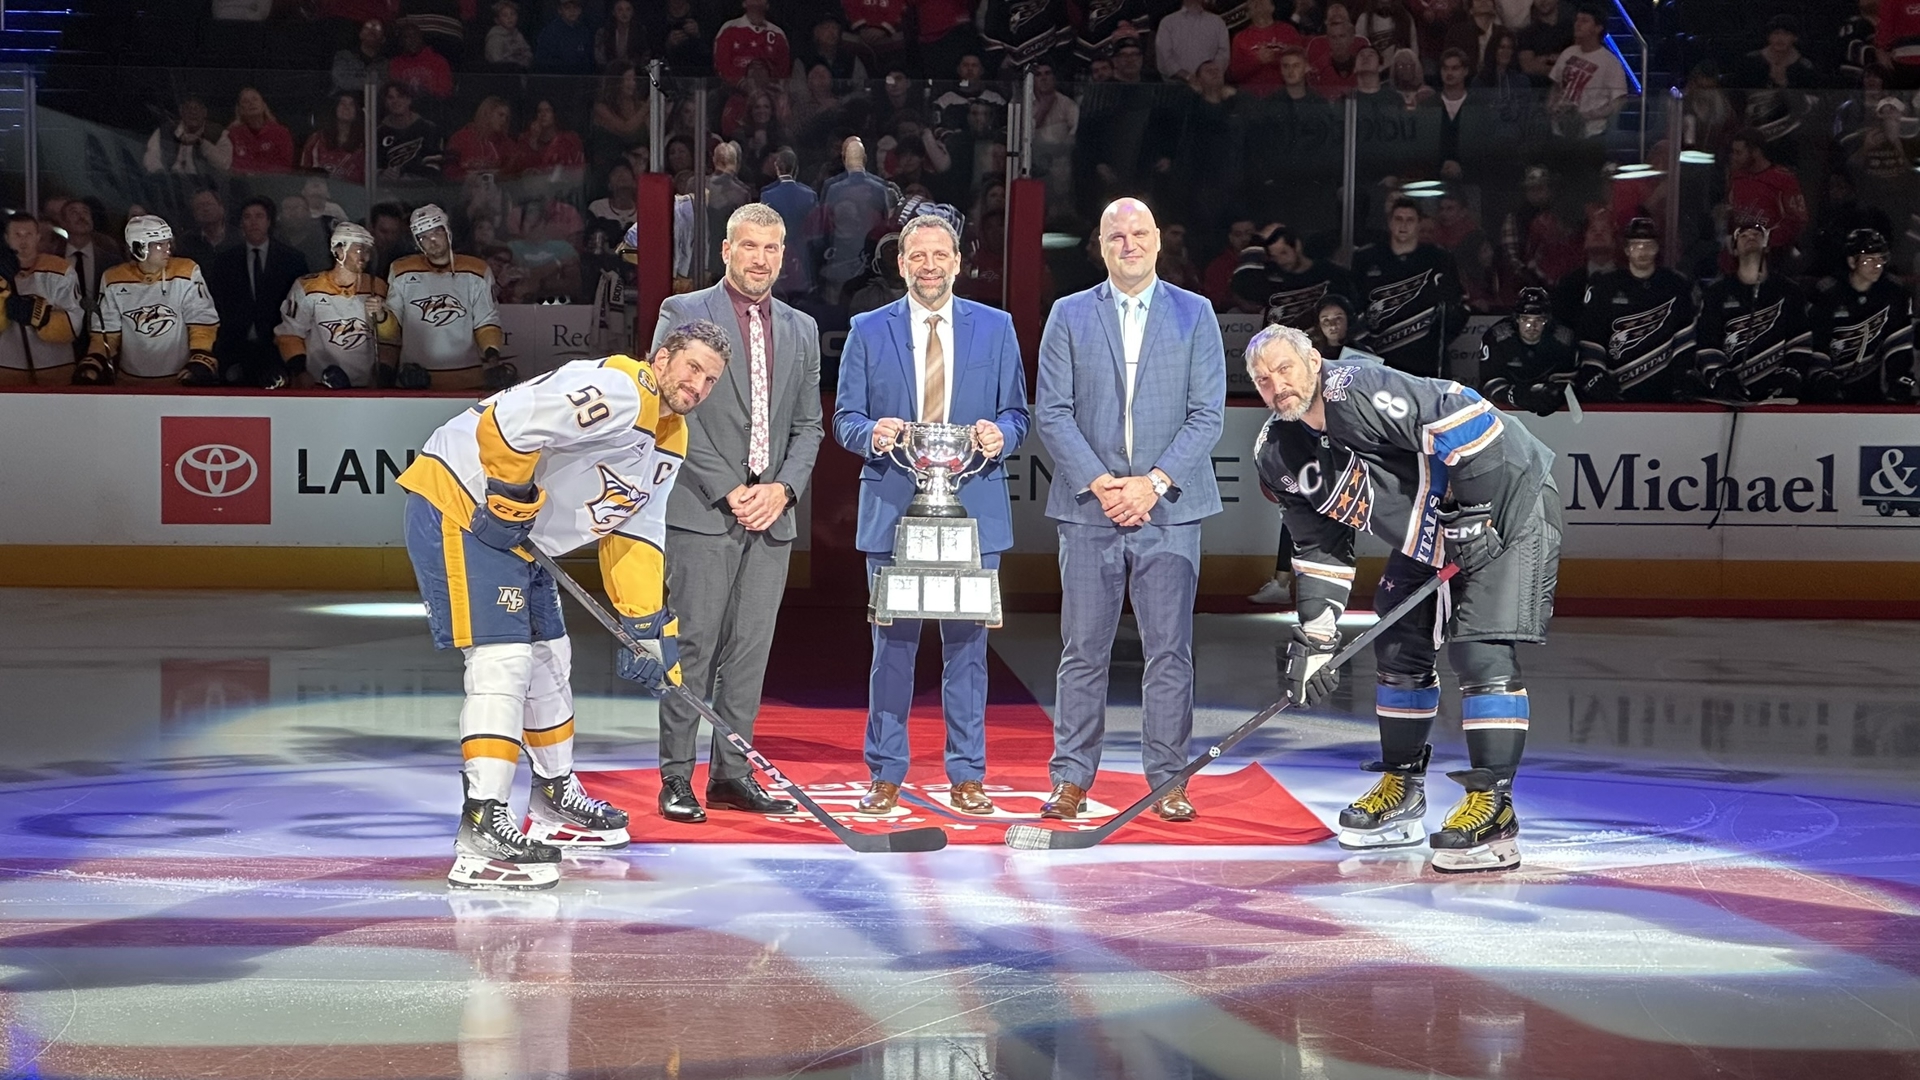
[1129,403]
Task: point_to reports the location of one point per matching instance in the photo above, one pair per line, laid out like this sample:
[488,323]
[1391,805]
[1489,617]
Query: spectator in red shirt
[260,143]
[546,147]
[1255,62]
[337,149]
[1217,282]
[1761,189]
[945,32]
[748,38]
[878,22]
[418,67]
[1331,55]
[486,144]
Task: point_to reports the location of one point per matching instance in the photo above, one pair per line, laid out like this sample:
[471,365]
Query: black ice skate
[1482,833]
[492,853]
[1392,814]
[561,813]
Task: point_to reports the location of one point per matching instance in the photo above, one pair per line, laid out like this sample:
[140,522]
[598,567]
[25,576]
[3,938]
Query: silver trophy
[936,571]
[938,456]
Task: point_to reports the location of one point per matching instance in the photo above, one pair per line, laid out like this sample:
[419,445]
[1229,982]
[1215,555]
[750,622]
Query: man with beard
[1862,330]
[1753,326]
[1432,469]
[1411,295]
[1286,284]
[1636,333]
[934,358]
[1527,360]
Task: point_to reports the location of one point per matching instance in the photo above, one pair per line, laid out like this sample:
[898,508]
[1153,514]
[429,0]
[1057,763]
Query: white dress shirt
[921,316]
[1133,311]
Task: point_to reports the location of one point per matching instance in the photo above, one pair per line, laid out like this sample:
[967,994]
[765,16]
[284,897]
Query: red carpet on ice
[812,725]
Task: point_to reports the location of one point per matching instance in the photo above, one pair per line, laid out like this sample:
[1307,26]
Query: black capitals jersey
[1289,299]
[1394,445]
[1107,21]
[1410,306]
[1864,340]
[1516,375]
[1641,330]
[1020,32]
[1758,333]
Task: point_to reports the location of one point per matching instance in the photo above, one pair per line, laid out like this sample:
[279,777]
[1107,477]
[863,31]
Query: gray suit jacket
[718,431]
[1179,402]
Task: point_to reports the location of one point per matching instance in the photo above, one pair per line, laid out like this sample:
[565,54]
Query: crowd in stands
[1500,122]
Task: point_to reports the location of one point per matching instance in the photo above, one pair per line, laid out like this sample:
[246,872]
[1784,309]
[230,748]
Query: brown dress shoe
[1067,802]
[1173,806]
[969,797]
[881,798]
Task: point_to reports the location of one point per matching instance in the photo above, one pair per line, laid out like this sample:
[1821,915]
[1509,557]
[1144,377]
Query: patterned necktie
[933,406]
[757,450]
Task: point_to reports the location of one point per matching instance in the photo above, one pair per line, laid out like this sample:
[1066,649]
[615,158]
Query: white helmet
[426,219]
[347,234]
[144,230]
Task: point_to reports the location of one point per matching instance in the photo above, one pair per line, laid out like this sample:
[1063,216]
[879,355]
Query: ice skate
[1482,832]
[492,853]
[561,813]
[1392,814]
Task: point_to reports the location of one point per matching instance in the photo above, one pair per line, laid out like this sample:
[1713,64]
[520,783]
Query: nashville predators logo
[1744,330]
[1290,308]
[439,310]
[345,333]
[618,500]
[1850,342]
[1630,330]
[153,320]
[1386,301]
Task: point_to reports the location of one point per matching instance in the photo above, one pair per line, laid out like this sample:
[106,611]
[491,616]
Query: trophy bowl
[938,456]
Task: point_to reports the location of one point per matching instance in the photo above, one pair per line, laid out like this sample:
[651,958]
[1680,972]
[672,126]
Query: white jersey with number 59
[595,437]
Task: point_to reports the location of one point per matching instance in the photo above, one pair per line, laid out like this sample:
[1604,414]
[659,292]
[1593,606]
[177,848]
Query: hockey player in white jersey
[156,322]
[40,309]
[584,454]
[450,336]
[335,327]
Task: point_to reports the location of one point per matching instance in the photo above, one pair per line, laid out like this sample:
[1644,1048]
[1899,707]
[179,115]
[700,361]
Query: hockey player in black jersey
[1527,360]
[1862,330]
[1636,335]
[1409,296]
[1432,469]
[1290,287]
[1753,340]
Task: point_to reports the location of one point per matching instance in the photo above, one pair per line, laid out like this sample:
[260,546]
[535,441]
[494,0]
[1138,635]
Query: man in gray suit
[1129,402]
[730,518]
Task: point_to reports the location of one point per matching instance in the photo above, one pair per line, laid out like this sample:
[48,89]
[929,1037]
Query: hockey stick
[928,838]
[1035,837]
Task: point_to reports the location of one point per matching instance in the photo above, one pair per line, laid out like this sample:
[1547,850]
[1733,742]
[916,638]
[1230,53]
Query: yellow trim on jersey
[493,746]
[489,336]
[105,342]
[59,329]
[642,375]
[200,336]
[129,272]
[634,573]
[453,549]
[498,458]
[552,736]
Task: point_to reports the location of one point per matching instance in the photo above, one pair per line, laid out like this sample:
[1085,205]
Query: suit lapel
[902,324]
[963,364]
[1110,322]
[787,330]
[720,311]
[1159,324]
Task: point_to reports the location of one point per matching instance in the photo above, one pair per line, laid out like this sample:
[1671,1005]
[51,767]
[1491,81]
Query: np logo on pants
[511,598]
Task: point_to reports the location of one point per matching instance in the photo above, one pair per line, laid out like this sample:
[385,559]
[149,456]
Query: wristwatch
[791,497]
[1160,487]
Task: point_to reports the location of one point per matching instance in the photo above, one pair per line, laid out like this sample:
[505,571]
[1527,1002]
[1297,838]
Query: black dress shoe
[747,796]
[677,802]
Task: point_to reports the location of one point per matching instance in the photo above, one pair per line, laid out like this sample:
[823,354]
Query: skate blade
[480,872]
[1498,855]
[564,835]
[1405,833]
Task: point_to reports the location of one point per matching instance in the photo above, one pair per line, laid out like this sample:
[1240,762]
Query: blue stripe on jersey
[1400,697]
[1493,707]
[1451,441]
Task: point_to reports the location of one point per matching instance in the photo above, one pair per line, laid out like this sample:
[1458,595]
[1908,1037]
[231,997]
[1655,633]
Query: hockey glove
[495,373]
[412,377]
[1310,678]
[1542,399]
[657,665]
[1782,381]
[335,378]
[1902,389]
[1594,382]
[1824,386]
[201,370]
[505,519]
[29,311]
[1471,540]
[93,370]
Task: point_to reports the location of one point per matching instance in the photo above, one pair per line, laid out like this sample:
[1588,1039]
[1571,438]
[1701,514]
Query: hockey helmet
[1533,301]
[144,230]
[426,219]
[347,234]
[1866,242]
[1642,228]
[1746,221]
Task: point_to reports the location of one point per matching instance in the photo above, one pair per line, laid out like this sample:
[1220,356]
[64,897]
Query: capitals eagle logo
[1850,343]
[439,310]
[618,500]
[153,320]
[345,333]
[1386,301]
[1630,330]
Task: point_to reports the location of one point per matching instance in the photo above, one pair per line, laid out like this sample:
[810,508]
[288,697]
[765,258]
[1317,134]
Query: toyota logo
[215,470]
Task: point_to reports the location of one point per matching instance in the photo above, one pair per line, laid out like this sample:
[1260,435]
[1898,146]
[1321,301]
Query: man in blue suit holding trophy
[929,357]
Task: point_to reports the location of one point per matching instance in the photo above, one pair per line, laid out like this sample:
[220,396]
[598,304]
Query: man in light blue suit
[931,357]
[1130,401]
